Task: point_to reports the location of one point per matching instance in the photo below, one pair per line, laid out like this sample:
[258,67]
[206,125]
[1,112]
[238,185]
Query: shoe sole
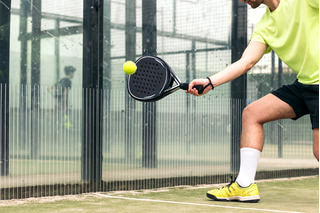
[251,199]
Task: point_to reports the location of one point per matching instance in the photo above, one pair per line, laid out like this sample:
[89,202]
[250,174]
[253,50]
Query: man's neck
[272,4]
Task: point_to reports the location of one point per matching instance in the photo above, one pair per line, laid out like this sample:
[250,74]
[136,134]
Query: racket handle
[185,86]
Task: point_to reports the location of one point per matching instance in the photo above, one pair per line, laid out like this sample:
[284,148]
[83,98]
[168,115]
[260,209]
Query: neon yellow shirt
[292,31]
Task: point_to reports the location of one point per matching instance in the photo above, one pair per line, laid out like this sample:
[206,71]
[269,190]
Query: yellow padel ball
[129,67]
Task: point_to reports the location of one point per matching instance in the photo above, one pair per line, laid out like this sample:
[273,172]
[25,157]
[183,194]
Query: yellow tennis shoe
[234,192]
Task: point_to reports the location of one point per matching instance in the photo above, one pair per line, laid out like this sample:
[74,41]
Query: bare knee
[251,116]
[252,134]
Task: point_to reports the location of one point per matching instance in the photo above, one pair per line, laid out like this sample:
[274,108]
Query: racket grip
[199,88]
[185,86]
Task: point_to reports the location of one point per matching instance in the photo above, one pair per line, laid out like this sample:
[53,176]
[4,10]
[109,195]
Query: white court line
[193,204]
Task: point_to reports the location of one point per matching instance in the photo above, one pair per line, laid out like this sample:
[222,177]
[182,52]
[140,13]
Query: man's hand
[202,82]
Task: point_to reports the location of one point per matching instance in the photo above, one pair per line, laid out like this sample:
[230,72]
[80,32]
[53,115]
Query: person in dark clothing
[60,91]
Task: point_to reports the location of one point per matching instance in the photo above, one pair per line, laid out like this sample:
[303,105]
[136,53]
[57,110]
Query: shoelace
[232,180]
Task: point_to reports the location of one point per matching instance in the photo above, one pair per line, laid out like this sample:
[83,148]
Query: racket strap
[209,84]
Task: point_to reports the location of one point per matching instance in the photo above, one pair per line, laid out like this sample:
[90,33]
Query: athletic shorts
[304,99]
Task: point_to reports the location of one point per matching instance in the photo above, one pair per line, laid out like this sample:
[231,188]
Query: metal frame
[93,70]
[149,44]
[239,85]
[130,34]
[92,98]
[4,85]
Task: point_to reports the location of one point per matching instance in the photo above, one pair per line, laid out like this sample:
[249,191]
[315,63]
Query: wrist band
[209,84]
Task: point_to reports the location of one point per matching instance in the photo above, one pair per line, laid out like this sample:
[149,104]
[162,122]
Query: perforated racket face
[150,80]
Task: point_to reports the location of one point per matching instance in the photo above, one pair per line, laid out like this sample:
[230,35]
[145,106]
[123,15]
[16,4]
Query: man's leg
[266,109]
[269,108]
[316,143]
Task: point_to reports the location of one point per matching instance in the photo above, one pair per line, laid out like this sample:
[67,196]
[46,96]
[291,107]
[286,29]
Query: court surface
[280,195]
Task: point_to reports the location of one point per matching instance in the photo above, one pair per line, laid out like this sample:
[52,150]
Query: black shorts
[304,99]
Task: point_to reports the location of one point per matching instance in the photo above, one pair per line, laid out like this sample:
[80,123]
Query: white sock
[249,158]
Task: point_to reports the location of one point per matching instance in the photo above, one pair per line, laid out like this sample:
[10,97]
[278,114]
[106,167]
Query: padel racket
[154,79]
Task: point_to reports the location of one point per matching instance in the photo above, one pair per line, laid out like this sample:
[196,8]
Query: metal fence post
[5,10]
[92,101]
[280,122]
[130,32]
[239,85]
[35,78]
[149,110]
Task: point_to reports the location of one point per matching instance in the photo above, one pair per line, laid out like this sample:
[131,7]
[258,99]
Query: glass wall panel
[195,42]
[45,116]
[186,140]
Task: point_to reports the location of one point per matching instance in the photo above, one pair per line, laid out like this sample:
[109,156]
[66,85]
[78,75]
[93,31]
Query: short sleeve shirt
[292,31]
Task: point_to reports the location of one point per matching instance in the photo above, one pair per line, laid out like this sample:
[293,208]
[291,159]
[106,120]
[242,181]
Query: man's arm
[252,54]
